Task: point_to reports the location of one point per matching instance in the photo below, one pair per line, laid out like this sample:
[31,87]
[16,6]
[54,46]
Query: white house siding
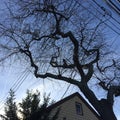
[68,110]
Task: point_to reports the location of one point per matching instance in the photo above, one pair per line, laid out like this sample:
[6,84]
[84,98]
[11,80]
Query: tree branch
[113,90]
[46,75]
[65,65]
[90,73]
[75,52]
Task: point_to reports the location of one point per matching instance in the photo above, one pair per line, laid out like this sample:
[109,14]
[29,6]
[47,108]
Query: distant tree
[10,107]
[31,109]
[29,104]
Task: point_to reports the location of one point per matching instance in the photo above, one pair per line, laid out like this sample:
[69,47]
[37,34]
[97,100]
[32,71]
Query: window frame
[79,109]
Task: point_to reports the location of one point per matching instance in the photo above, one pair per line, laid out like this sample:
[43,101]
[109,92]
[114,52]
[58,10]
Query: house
[74,107]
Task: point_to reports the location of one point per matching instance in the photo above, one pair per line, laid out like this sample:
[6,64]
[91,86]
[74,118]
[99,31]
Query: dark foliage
[30,108]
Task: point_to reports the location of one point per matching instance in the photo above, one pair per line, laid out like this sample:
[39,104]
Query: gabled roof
[71,96]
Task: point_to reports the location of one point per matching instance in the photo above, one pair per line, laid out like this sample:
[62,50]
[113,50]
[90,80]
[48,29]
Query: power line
[66,91]
[107,14]
[17,82]
[21,81]
[114,41]
[15,86]
[113,5]
[98,18]
[103,8]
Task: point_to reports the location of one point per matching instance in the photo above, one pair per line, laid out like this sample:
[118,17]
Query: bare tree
[62,40]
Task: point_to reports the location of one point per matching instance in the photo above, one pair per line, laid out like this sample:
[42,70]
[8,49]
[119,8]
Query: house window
[79,110]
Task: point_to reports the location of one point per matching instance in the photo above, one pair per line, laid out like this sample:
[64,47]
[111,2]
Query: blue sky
[12,76]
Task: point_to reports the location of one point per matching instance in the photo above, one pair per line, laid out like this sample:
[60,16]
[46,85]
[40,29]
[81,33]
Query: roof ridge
[71,96]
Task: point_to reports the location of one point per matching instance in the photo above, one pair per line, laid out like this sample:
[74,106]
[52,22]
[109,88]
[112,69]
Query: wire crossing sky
[20,81]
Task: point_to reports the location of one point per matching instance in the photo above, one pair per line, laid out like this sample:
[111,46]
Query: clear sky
[15,77]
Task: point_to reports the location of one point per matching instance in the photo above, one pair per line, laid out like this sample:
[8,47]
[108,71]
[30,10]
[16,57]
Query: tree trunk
[106,110]
[103,107]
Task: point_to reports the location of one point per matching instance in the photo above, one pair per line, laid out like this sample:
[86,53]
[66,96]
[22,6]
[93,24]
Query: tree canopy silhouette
[10,107]
[30,108]
[62,40]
